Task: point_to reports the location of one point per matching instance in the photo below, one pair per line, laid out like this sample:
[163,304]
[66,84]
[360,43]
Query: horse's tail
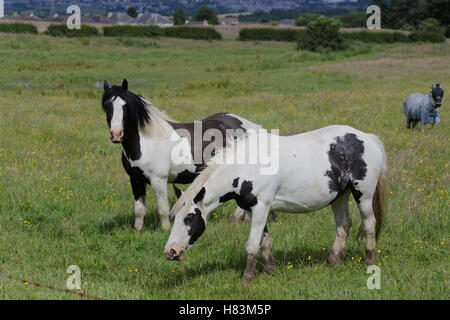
[380,195]
[379,198]
[379,203]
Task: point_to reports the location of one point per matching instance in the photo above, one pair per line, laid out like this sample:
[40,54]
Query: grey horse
[423,109]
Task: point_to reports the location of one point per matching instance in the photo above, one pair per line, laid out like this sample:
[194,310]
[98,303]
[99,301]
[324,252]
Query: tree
[180,17]
[406,12]
[306,18]
[132,12]
[322,33]
[353,19]
[440,10]
[386,14]
[206,13]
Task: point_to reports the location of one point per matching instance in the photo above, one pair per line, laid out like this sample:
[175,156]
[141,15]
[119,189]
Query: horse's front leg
[159,186]
[259,220]
[139,189]
[268,261]
[423,128]
[408,123]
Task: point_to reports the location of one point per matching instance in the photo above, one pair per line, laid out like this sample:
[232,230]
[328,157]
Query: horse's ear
[199,197]
[125,85]
[105,85]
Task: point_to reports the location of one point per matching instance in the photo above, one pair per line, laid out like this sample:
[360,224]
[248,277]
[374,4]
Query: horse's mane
[151,120]
[212,166]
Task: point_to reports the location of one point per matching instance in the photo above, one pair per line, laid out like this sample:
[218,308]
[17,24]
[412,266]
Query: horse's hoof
[269,268]
[165,225]
[334,260]
[247,279]
[371,257]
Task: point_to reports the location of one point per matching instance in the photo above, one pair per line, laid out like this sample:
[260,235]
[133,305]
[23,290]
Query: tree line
[408,14]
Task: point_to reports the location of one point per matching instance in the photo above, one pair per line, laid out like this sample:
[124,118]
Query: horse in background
[423,109]
[149,139]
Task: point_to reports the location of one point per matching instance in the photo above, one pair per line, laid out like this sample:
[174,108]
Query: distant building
[228,21]
[197,23]
[120,18]
[87,19]
[15,16]
[55,18]
[153,19]
[287,23]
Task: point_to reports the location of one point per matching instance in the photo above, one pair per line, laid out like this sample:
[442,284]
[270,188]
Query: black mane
[134,101]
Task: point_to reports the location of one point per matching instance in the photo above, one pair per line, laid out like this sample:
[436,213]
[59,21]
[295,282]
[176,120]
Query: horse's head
[187,228]
[437,94]
[114,104]
[124,110]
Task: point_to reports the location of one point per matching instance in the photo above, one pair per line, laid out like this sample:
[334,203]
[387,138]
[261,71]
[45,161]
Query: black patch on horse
[200,195]
[235,182]
[218,121]
[196,223]
[245,199]
[347,164]
[185,177]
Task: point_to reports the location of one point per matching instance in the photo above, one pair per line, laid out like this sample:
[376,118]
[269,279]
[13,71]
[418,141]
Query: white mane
[158,121]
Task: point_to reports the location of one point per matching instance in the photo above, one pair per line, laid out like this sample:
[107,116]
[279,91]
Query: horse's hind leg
[241,214]
[268,261]
[343,225]
[368,223]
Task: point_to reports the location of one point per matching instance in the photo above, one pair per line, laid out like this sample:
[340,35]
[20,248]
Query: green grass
[65,199]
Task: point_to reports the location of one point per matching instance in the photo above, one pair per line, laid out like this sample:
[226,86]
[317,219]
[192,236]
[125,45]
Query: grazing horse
[316,169]
[423,109]
[150,139]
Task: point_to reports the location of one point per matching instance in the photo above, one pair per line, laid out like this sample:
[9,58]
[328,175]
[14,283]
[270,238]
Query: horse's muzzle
[173,254]
[116,135]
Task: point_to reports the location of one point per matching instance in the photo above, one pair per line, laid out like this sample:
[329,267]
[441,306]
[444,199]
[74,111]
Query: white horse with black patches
[316,169]
[150,139]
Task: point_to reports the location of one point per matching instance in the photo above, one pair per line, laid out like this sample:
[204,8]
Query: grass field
[65,199]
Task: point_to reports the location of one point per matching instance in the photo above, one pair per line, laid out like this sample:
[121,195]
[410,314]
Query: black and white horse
[423,109]
[150,139]
[316,169]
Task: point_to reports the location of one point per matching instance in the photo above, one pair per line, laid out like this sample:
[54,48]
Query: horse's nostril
[173,253]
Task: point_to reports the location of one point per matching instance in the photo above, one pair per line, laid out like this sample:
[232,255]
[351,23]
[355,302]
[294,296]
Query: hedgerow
[18,28]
